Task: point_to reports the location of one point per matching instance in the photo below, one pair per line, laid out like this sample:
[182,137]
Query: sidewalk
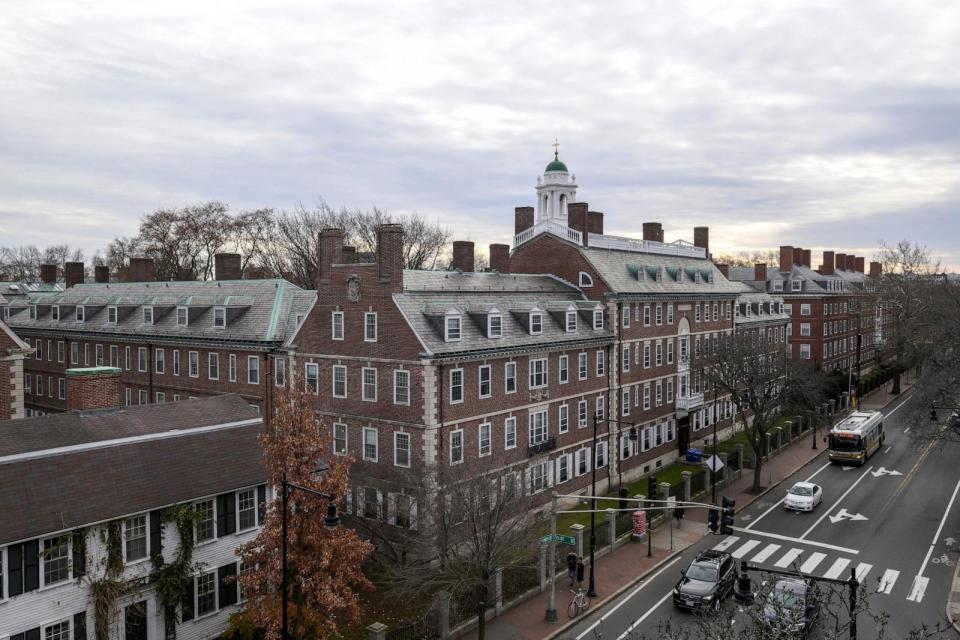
[628,565]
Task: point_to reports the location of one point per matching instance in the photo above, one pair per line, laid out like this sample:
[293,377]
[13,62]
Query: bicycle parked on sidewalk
[580,602]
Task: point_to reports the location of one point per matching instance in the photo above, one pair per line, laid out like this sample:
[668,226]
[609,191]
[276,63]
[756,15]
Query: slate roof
[165,460]
[257,310]
[619,269]
[428,296]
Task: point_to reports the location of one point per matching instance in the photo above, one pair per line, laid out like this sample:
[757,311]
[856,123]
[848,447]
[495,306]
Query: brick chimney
[48,273]
[786,257]
[595,222]
[876,268]
[93,388]
[142,270]
[653,231]
[331,253]
[827,267]
[101,273]
[72,274]
[349,254]
[523,219]
[701,238]
[859,264]
[760,271]
[798,256]
[725,270]
[851,262]
[841,262]
[806,258]
[577,218]
[226,266]
[390,255]
[500,258]
[463,256]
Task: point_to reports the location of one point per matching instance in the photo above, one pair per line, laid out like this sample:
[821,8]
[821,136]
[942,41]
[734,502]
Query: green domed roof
[556,165]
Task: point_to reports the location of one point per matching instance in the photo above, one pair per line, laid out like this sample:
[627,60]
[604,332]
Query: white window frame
[397,374]
[804,309]
[337,449]
[251,369]
[510,377]
[571,321]
[456,436]
[363,387]
[484,427]
[538,378]
[484,370]
[219,317]
[193,357]
[376,444]
[313,387]
[213,365]
[146,316]
[337,368]
[397,436]
[601,363]
[563,369]
[183,317]
[337,328]
[146,537]
[598,318]
[538,426]
[80,313]
[452,327]
[563,418]
[143,360]
[491,333]
[111,314]
[646,314]
[367,335]
[585,279]
[510,433]
[456,373]
[536,323]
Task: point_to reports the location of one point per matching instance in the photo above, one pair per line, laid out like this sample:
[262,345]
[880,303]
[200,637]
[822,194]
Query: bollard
[739,448]
[779,433]
[686,484]
[377,631]
[577,530]
[790,435]
[766,443]
[611,526]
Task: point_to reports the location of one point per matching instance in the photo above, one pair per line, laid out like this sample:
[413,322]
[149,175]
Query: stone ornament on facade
[353,288]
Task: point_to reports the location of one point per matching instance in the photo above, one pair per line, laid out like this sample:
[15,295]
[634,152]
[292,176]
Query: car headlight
[707,598]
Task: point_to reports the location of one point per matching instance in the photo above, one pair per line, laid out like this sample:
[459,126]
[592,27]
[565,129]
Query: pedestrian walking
[678,514]
[572,567]
[580,570]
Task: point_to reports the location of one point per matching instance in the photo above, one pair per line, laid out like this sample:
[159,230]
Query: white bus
[856,437]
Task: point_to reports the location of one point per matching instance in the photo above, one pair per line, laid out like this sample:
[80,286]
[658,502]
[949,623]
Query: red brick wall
[546,254]
[88,391]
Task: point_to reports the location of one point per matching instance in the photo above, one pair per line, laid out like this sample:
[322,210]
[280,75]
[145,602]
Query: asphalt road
[890,520]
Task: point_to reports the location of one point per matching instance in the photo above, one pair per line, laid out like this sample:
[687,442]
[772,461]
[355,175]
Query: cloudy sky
[828,125]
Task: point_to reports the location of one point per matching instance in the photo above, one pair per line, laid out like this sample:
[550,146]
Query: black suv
[791,607]
[707,580]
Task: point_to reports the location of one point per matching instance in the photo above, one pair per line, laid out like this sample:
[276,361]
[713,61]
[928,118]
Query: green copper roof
[556,165]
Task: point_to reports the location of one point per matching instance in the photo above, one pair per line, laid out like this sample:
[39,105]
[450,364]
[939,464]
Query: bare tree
[23,262]
[747,258]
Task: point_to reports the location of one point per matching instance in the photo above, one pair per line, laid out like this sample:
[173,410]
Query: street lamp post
[331,520]
[593,492]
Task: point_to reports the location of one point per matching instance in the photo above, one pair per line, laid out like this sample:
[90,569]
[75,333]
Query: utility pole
[551,614]
[593,492]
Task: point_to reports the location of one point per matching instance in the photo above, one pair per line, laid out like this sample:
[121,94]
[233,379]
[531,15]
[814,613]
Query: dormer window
[585,279]
[598,318]
[697,278]
[182,316]
[796,285]
[451,328]
[778,285]
[536,323]
[112,315]
[219,317]
[148,315]
[81,313]
[33,312]
[571,321]
[55,312]
[494,325]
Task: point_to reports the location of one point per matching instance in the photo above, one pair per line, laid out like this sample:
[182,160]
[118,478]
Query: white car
[803,496]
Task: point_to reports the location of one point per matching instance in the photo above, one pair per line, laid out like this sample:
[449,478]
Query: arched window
[585,279]
[563,205]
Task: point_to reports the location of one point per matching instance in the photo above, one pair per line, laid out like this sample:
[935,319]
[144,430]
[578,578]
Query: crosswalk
[816,563]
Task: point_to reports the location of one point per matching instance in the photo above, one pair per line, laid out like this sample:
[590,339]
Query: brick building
[13,353]
[172,340]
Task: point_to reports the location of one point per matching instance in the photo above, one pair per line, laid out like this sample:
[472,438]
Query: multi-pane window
[142,359]
[646,355]
[135,538]
[582,417]
[370,326]
[601,360]
[598,318]
[659,354]
[563,418]
[582,365]
[484,381]
[111,315]
[624,401]
[176,361]
[336,325]
[401,386]
[405,510]
[193,368]
[494,325]
[62,388]
[646,315]
[484,440]
[670,313]
[311,377]
[231,367]
[339,381]
[55,312]
[538,426]
[182,318]
[510,433]
[669,351]
[204,521]
[456,385]
[626,358]
[538,373]
[98,353]
[213,366]
[206,593]
[696,313]
[253,370]
[80,313]
[456,446]
[371,444]
[451,325]
[536,323]
[401,449]
[247,509]
[219,317]
[58,631]
[564,369]
[538,477]
[339,438]
[56,560]
[582,461]
[510,377]
[61,350]
[369,384]
[75,354]
[39,385]
[279,371]
[716,312]
[147,315]
[571,321]
[39,349]
[659,314]
[115,355]
[600,408]
[659,393]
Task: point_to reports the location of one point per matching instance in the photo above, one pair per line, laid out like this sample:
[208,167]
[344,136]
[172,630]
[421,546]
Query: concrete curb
[599,604]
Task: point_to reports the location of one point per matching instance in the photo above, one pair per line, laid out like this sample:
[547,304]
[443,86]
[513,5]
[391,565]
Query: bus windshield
[845,442]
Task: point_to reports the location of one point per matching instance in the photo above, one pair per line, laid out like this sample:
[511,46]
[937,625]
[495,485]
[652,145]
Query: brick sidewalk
[628,565]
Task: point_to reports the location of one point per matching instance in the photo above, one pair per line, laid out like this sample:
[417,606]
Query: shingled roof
[676,275]
[71,470]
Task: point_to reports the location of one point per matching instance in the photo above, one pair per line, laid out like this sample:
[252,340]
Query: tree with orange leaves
[323,565]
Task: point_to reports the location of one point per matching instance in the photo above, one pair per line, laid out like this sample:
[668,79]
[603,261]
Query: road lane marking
[839,500]
[838,567]
[917,589]
[780,501]
[812,562]
[745,548]
[896,408]
[623,601]
[812,543]
[888,580]
[726,544]
[887,450]
[643,617]
[768,551]
[862,570]
[907,430]
[787,558]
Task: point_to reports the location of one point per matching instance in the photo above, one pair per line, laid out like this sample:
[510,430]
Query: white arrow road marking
[839,500]
[888,580]
[837,568]
[917,589]
[843,514]
[883,471]
[788,558]
[746,548]
[862,570]
[746,516]
[768,551]
[726,544]
[812,562]
[949,541]
[846,468]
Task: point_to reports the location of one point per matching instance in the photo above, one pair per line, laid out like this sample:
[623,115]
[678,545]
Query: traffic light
[713,517]
[652,488]
[726,519]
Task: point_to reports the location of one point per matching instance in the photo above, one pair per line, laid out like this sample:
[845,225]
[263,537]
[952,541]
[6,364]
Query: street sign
[714,463]
[562,539]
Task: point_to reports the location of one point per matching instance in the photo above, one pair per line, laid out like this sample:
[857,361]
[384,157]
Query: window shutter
[556,474]
[261,504]
[31,565]
[549,474]
[226,514]
[186,606]
[156,537]
[79,545]
[526,481]
[589,451]
[15,569]
[80,626]
[226,589]
[570,467]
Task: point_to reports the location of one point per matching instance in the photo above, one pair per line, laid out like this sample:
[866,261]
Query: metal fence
[427,627]
[519,579]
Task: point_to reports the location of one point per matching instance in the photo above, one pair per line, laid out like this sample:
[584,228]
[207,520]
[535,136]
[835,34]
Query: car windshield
[702,573]
[801,491]
[786,596]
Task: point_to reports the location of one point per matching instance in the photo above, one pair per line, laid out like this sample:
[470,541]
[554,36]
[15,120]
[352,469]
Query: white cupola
[556,188]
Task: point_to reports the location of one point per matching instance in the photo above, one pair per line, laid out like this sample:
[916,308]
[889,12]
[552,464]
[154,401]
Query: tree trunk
[896,382]
[482,613]
[756,471]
